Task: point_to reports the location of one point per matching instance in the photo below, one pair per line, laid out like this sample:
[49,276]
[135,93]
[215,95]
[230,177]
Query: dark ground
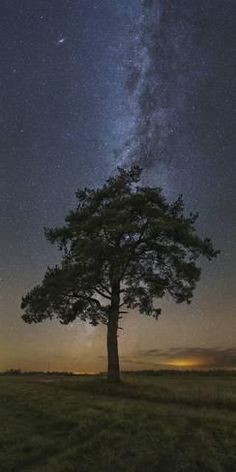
[168,422]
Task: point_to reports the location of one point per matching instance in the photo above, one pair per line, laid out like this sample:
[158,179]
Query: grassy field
[176,423]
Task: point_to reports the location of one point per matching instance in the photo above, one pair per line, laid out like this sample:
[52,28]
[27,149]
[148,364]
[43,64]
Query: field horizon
[152,372]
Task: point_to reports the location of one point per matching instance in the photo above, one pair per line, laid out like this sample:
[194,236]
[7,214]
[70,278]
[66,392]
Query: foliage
[123,246]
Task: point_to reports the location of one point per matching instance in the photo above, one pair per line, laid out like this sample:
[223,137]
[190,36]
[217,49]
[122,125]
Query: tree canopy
[123,246]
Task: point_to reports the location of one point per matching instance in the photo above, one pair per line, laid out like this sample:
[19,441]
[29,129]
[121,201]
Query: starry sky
[85,86]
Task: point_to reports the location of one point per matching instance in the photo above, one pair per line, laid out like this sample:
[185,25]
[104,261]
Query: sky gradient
[80,80]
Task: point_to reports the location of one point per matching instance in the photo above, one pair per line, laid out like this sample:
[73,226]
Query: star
[60,41]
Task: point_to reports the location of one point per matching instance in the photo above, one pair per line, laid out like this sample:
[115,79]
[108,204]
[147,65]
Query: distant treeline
[33,372]
[175,372]
[154,373]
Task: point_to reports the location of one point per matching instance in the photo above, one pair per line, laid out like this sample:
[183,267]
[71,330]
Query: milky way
[170,65]
[88,85]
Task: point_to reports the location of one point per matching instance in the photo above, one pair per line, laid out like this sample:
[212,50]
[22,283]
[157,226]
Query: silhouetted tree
[124,246]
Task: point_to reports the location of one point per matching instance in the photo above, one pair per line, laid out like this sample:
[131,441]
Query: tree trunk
[113,373]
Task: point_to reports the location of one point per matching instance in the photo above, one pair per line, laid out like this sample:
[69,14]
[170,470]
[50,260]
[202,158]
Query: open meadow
[182,422]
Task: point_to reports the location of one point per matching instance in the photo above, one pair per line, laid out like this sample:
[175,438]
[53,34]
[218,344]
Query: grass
[177,423]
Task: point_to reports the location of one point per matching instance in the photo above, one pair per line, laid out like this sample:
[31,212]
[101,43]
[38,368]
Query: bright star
[61,41]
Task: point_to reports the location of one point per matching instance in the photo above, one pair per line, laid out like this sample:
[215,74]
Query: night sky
[87,85]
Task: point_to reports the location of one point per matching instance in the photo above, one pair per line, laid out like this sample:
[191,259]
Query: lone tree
[124,246]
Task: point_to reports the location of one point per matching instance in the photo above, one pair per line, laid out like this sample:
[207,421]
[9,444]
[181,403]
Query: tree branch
[102,294]
[105,289]
[139,241]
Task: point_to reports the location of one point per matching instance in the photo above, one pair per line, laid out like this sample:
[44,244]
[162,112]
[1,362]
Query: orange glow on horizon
[185,363]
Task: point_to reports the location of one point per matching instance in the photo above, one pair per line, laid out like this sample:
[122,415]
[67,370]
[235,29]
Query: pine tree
[123,247]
